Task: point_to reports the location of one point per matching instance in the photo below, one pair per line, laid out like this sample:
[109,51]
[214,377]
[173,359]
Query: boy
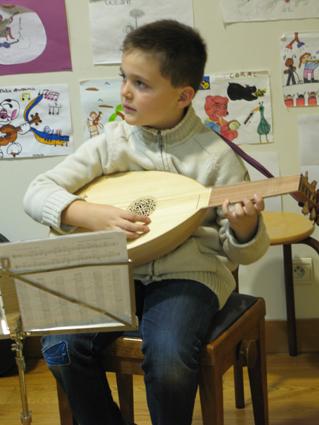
[178,294]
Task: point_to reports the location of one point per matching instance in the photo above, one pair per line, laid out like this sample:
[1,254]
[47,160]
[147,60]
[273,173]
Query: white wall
[247,46]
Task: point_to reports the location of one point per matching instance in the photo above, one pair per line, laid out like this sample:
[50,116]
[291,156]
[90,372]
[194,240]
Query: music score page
[78,282]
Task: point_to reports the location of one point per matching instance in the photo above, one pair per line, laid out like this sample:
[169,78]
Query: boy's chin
[132,120]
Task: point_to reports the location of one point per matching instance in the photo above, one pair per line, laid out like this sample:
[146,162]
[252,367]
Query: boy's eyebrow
[134,76]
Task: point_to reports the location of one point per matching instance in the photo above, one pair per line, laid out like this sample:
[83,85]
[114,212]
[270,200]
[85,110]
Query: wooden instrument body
[180,207]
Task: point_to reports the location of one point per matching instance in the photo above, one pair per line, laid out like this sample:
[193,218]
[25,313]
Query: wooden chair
[288,229]
[238,340]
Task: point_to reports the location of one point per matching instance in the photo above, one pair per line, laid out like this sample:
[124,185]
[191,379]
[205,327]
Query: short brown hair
[180,49]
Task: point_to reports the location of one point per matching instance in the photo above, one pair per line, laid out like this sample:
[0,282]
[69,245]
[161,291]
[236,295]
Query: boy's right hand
[105,217]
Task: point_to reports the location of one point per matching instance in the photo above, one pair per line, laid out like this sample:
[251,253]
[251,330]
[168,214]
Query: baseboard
[276,338]
[307,335]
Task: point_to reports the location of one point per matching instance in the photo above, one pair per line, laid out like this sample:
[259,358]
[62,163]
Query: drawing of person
[5,30]
[17,34]
[94,123]
[310,64]
[290,71]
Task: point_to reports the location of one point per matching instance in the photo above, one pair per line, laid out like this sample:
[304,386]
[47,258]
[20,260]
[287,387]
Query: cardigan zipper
[159,140]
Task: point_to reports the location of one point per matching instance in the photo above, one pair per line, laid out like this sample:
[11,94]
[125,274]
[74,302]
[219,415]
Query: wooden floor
[293,384]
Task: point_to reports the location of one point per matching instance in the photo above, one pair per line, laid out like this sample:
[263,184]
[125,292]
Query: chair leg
[290,301]
[211,395]
[258,383]
[126,399]
[239,386]
[66,417]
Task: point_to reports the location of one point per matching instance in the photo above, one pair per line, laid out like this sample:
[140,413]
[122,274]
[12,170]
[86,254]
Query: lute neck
[266,188]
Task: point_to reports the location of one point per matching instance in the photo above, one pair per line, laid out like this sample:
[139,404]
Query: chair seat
[129,345]
[287,227]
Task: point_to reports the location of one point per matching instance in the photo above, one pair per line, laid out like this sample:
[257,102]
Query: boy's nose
[125,90]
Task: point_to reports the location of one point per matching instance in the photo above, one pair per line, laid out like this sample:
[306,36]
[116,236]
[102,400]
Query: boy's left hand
[243,217]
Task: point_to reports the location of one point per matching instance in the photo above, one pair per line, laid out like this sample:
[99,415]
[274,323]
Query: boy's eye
[140,84]
[122,75]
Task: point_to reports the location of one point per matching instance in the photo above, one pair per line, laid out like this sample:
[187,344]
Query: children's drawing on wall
[111,20]
[34,121]
[237,106]
[300,69]
[33,37]
[268,10]
[22,35]
[308,129]
[101,103]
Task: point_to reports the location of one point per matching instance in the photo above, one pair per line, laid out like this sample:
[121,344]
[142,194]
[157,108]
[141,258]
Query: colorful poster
[33,37]
[237,106]
[111,20]
[268,10]
[35,121]
[300,69]
[101,103]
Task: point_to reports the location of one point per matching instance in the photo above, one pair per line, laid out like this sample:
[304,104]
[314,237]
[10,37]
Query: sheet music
[104,282]
[100,286]
[66,251]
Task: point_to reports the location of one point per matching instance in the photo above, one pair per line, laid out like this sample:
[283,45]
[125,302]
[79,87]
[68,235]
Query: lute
[177,204]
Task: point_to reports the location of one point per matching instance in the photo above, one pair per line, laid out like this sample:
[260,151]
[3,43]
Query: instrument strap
[252,161]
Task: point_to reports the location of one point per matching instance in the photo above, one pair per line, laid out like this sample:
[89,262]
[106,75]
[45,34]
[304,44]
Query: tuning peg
[313,214]
[305,209]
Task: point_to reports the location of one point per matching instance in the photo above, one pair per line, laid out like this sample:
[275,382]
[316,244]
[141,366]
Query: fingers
[259,202]
[134,225]
[134,218]
[246,207]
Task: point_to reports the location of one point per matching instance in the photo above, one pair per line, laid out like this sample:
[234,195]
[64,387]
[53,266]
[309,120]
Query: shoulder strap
[253,162]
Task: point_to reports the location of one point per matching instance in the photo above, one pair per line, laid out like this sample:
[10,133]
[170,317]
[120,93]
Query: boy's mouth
[128,108]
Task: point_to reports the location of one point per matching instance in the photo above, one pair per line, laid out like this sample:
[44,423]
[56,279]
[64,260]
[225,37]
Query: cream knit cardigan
[191,149]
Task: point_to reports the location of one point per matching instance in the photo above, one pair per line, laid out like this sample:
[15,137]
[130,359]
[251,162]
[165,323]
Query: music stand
[71,284]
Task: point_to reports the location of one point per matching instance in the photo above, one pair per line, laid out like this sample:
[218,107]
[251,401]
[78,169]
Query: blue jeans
[175,321]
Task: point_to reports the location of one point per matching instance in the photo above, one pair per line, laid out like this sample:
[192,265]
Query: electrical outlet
[302,270]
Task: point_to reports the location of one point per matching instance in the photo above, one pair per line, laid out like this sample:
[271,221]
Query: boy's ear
[186,96]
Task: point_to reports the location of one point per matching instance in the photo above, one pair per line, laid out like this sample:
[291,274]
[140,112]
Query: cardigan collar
[189,125]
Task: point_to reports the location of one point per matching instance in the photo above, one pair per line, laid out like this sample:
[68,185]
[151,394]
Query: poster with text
[33,37]
[100,103]
[111,20]
[237,106]
[35,121]
[268,10]
[300,69]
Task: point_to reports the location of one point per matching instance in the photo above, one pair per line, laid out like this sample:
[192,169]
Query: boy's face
[148,98]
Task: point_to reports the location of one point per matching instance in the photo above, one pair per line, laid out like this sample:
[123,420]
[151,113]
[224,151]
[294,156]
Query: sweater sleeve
[51,192]
[232,171]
